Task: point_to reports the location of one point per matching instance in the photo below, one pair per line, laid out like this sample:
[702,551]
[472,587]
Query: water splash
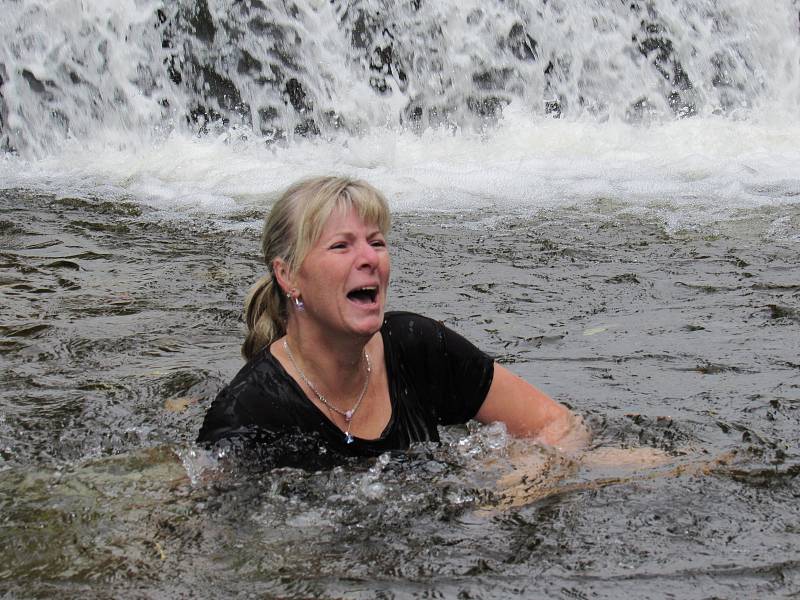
[283,71]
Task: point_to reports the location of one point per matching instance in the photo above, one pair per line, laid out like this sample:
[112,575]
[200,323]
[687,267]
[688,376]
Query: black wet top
[436,377]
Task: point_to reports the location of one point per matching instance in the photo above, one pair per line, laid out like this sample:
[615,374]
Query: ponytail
[264,314]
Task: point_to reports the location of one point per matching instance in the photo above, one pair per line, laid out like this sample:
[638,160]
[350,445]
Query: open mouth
[364,295]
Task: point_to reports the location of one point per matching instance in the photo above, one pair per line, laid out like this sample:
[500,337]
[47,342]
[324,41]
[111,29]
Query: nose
[368,256]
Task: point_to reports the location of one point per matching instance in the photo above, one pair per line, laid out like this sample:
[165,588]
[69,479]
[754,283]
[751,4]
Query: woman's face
[344,278]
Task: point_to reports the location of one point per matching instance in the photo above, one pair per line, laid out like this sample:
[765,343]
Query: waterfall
[284,70]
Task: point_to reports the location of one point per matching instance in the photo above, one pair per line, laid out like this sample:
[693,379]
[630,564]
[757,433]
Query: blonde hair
[291,229]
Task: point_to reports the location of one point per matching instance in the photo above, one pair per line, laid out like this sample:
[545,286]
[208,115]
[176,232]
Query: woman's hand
[529,412]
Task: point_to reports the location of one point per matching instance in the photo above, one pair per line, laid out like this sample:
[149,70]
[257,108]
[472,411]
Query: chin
[368,325]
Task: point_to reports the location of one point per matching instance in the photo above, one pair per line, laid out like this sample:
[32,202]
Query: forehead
[346,219]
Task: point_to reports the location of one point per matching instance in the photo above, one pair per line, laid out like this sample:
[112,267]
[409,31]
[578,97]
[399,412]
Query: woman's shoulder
[261,363]
[259,368]
[423,338]
[410,321]
[416,335]
[254,397]
[263,380]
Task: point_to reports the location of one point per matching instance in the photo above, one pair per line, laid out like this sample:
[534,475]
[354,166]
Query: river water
[638,260]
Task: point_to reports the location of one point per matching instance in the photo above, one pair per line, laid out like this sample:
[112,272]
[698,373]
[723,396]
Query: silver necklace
[347,414]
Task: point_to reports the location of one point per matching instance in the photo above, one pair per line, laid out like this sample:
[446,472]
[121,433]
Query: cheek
[317,282]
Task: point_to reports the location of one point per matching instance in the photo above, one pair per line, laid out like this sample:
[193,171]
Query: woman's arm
[529,412]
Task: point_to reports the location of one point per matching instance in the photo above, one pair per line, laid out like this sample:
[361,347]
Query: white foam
[694,165]
[101,83]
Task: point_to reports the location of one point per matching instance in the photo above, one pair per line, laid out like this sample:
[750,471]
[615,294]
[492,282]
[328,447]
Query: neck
[335,364]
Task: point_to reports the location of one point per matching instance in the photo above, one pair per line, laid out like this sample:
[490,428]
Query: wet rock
[40,87]
[383,62]
[173,72]
[295,94]
[263,28]
[5,143]
[553,108]
[490,106]
[221,88]
[680,106]
[202,22]
[203,115]
[521,44]
[723,66]
[307,128]
[639,110]
[656,46]
[333,120]
[373,37]
[659,49]
[273,77]
[360,36]
[267,113]
[248,63]
[492,79]
[475,17]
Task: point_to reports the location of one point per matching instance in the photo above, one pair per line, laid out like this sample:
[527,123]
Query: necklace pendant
[348,416]
[348,438]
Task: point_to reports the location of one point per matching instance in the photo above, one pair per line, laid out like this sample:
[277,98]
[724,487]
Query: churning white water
[688,106]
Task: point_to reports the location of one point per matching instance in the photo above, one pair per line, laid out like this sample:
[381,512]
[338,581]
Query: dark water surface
[120,323]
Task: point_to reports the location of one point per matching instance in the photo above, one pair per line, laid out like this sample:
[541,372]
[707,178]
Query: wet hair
[291,229]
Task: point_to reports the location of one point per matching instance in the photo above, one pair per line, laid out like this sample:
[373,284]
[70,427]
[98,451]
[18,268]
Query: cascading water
[282,70]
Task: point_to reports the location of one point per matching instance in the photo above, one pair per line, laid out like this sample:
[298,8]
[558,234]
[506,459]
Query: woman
[323,358]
